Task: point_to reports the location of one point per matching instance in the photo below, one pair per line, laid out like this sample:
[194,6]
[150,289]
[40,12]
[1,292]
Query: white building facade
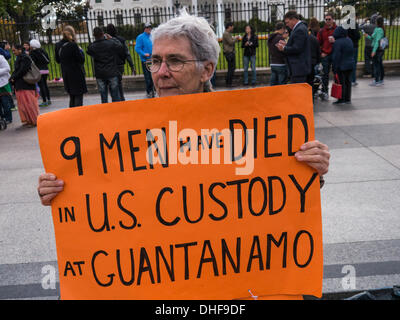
[122,12]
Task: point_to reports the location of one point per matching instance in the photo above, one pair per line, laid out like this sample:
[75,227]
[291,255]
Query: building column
[221,22]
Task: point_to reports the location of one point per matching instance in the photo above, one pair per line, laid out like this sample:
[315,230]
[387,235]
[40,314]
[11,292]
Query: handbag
[336,91]
[33,75]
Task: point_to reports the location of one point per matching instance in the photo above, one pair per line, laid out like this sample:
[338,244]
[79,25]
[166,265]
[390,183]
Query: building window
[156,16]
[137,18]
[311,10]
[98,1]
[117,0]
[274,13]
[100,21]
[228,14]
[254,12]
[119,19]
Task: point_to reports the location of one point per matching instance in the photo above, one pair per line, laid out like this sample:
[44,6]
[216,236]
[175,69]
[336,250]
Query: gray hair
[201,36]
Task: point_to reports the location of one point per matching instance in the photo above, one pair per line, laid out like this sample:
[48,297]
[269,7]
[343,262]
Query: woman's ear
[207,72]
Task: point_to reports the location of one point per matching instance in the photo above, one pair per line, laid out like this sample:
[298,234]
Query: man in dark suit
[297,49]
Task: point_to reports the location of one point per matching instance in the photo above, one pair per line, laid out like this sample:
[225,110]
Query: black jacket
[72,59]
[298,52]
[21,67]
[251,49]
[315,50]
[126,56]
[105,54]
[342,52]
[354,35]
[276,56]
[40,58]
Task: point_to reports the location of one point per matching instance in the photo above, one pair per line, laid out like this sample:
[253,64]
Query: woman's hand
[49,187]
[373,54]
[316,155]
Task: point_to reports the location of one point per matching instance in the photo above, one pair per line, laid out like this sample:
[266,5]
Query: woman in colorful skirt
[26,94]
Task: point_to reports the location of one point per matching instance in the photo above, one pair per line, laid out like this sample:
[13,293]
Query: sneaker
[379,83]
[373,84]
[49,102]
[43,104]
[325,96]
[338,102]
[354,84]
[347,102]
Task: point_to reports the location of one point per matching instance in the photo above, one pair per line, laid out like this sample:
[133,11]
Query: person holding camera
[249,43]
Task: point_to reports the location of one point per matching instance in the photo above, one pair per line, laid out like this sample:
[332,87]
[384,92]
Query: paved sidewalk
[360,201]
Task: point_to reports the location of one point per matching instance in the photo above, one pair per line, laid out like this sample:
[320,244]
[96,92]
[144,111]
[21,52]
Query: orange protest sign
[186,197]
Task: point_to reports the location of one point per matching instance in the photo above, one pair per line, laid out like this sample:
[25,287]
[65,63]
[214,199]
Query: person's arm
[56,53]
[244,40]
[229,39]
[336,56]
[5,53]
[78,54]
[297,45]
[140,46]
[255,43]
[377,36]
[90,51]
[4,67]
[128,57]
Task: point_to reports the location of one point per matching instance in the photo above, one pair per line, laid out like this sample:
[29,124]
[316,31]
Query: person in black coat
[104,51]
[125,56]
[343,62]
[71,58]
[354,35]
[41,60]
[297,49]
[250,44]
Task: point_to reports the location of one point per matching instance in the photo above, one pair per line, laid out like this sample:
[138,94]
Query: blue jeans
[378,66]
[355,56]
[113,85]
[279,75]
[246,61]
[6,104]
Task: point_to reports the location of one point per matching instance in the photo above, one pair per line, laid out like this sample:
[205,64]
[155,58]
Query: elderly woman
[185,55]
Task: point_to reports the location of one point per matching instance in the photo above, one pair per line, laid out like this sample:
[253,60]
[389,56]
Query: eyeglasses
[173,64]
[328,19]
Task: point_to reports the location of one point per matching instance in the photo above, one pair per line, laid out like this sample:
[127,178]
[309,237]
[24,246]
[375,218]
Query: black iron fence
[262,15]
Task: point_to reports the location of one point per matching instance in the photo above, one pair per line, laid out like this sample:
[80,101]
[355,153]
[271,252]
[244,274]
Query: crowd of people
[298,52]
[311,50]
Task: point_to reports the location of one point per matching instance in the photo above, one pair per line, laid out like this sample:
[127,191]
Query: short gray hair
[202,38]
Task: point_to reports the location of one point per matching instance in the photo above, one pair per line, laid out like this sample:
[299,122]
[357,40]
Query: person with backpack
[377,52]
[42,60]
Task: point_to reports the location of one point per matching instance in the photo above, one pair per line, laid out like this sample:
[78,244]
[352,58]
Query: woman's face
[190,79]
[16,51]
[247,29]
[26,46]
